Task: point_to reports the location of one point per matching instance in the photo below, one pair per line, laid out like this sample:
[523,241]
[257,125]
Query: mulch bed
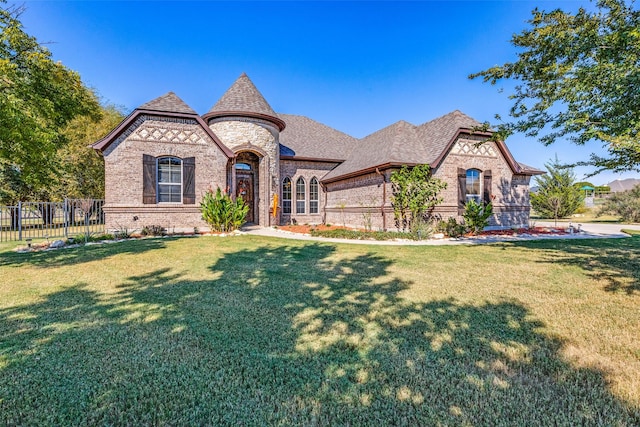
[533,231]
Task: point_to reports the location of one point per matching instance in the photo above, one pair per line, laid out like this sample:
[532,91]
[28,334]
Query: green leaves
[476,215]
[557,196]
[38,97]
[221,212]
[579,78]
[415,194]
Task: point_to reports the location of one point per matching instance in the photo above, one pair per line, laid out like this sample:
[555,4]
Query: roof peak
[243,98]
[168,103]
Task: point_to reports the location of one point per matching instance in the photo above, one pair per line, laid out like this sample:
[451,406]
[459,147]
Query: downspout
[384,199]
[324,207]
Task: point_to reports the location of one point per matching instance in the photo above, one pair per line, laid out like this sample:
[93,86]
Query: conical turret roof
[244,99]
[168,103]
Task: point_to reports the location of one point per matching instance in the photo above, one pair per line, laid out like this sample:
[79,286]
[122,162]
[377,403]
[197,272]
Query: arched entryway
[247,182]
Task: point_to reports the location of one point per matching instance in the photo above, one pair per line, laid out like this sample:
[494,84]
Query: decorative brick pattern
[123,174]
[471,148]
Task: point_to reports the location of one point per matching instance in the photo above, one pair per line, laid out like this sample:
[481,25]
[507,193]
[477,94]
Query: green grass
[255,331]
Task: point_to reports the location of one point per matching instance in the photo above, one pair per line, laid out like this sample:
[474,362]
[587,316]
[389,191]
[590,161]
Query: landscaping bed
[341,232]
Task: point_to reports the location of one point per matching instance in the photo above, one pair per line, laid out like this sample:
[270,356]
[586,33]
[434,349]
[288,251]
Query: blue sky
[355,66]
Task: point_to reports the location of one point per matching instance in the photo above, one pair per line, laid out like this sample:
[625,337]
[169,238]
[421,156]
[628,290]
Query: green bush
[153,230]
[452,228]
[625,204]
[221,212]
[476,215]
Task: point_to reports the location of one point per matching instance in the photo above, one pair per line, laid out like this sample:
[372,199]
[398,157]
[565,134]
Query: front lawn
[256,331]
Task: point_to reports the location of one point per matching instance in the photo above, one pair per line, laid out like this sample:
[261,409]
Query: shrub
[415,193]
[223,213]
[153,230]
[625,204]
[451,227]
[476,215]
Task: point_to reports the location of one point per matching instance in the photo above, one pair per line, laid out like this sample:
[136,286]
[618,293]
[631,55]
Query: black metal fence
[40,220]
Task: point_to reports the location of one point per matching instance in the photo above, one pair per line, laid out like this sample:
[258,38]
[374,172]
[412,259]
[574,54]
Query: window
[243,166]
[300,195]
[169,180]
[286,196]
[472,189]
[314,196]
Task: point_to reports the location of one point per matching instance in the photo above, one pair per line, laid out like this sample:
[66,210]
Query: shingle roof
[404,143]
[307,138]
[243,96]
[437,133]
[168,103]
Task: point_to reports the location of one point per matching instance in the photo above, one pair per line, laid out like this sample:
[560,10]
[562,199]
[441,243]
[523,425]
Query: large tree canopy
[578,77]
[38,97]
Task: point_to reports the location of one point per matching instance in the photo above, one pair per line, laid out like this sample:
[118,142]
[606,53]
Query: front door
[244,189]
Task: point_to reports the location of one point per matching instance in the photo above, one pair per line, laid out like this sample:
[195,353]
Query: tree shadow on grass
[80,254]
[293,335]
[615,262]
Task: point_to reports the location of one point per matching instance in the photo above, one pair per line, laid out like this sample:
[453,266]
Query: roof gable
[168,103]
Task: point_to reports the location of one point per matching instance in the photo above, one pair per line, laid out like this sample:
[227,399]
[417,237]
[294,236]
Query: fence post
[66,217]
[19,220]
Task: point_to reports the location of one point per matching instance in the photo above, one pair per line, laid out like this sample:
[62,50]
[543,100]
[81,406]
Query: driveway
[595,228]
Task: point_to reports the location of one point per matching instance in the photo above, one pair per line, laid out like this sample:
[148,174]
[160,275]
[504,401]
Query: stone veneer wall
[158,136]
[262,138]
[295,169]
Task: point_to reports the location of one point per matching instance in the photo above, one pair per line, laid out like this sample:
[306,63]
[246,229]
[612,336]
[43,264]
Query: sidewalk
[589,231]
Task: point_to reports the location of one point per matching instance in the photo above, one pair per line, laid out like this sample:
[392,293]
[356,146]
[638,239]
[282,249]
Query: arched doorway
[247,184]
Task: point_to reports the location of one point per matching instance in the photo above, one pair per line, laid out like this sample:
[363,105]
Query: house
[164,156]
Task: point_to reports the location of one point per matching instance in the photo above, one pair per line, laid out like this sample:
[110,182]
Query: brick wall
[295,169]
[156,136]
[511,193]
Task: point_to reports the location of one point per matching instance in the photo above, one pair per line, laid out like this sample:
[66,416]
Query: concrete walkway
[589,231]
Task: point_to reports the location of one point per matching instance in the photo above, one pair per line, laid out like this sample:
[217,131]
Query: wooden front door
[244,189]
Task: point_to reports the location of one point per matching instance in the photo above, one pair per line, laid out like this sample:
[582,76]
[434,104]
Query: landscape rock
[56,244]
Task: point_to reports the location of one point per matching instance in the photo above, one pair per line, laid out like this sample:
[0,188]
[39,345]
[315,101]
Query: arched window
[314,196]
[286,196]
[472,189]
[169,180]
[243,166]
[301,192]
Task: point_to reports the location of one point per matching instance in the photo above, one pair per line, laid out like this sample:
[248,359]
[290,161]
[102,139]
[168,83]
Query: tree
[82,170]
[38,97]
[625,204]
[415,194]
[557,196]
[578,77]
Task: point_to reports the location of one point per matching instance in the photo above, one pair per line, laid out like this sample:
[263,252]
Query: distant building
[164,156]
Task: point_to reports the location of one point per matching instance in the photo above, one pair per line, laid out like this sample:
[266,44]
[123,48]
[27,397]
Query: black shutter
[148,179]
[189,177]
[487,186]
[462,190]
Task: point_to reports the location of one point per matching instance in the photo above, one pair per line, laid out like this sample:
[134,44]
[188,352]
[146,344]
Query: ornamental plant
[221,212]
[415,193]
[476,215]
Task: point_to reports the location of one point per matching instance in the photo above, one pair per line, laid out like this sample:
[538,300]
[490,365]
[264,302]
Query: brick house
[164,156]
